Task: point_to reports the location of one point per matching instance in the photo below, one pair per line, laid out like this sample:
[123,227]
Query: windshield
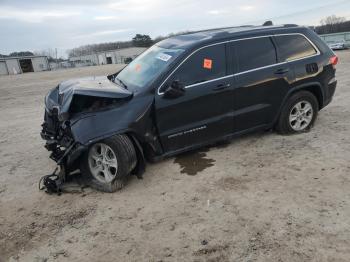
[147,66]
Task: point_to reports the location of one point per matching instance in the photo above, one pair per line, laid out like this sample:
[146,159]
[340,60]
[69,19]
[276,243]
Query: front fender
[133,116]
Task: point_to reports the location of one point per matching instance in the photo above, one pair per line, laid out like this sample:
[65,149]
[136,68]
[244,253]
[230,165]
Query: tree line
[333,24]
[138,41]
[18,54]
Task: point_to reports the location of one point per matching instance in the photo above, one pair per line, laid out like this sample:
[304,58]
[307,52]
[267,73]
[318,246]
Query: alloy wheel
[103,163]
[301,115]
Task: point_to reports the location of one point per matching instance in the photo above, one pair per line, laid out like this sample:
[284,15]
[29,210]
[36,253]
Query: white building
[107,57]
[25,64]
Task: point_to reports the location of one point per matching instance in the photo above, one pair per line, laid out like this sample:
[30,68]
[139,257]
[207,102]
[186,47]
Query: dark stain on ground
[232,183]
[193,162]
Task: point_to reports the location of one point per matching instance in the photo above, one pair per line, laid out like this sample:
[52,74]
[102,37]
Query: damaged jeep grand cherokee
[185,92]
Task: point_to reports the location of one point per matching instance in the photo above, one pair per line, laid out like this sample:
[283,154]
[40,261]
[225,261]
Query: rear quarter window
[255,53]
[292,47]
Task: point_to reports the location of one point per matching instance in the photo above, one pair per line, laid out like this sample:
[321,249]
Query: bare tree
[89,49]
[332,24]
[333,20]
[49,52]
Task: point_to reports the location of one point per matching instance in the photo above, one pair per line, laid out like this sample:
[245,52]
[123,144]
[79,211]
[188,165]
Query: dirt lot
[263,197]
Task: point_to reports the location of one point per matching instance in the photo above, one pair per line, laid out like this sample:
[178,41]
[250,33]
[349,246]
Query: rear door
[204,112]
[261,83]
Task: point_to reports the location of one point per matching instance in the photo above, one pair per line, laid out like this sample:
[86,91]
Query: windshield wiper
[123,84]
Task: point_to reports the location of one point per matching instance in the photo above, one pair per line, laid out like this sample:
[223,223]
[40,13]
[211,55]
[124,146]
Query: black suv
[185,92]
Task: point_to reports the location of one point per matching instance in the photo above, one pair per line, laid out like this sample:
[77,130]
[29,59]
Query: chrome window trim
[240,73]
[209,81]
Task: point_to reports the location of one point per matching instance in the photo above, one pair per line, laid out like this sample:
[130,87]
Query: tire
[107,164]
[297,110]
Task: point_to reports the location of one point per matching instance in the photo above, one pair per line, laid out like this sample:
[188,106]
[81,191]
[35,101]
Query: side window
[293,47]
[255,53]
[206,64]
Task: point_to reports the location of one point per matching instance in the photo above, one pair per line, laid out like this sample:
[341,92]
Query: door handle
[282,71]
[221,87]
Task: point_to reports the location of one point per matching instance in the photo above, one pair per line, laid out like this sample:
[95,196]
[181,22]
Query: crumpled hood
[100,86]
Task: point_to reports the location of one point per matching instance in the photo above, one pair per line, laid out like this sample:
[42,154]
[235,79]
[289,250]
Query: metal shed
[3,68]
[19,65]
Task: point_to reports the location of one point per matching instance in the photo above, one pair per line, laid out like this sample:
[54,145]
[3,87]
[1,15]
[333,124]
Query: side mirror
[175,90]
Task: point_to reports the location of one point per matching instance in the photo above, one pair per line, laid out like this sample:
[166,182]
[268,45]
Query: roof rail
[290,25]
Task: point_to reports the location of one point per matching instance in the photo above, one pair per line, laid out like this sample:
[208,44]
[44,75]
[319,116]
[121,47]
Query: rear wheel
[298,114]
[107,164]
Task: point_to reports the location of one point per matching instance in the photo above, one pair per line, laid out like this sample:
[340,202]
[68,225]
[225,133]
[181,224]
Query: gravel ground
[262,197]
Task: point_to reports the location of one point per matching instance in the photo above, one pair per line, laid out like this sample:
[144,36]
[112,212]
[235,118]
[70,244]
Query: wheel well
[316,91]
[313,89]
[141,161]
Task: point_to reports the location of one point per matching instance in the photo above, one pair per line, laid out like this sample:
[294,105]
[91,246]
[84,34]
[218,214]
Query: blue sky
[41,24]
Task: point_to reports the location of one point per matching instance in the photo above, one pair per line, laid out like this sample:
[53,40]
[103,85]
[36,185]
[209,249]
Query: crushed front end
[73,110]
[57,132]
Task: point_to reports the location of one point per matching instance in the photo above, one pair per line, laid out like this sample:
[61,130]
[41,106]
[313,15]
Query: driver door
[204,112]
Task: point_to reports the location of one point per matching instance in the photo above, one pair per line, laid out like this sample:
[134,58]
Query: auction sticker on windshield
[164,57]
[138,67]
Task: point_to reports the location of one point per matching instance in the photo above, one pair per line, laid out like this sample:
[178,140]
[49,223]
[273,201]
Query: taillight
[334,60]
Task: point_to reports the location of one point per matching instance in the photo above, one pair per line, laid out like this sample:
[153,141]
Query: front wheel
[107,164]
[298,114]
